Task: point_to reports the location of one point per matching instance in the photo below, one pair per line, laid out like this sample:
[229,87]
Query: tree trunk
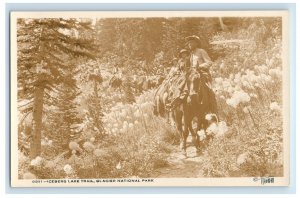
[96,114]
[96,88]
[222,25]
[35,144]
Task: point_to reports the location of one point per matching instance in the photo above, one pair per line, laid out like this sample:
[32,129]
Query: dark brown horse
[195,106]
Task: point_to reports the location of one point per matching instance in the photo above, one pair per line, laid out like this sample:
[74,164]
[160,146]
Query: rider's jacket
[200,59]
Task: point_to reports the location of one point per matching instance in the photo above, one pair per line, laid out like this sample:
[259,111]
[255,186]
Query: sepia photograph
[150,98]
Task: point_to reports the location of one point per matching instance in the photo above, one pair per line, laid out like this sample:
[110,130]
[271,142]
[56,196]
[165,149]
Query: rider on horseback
[199,60]
[178,89]
[187,93]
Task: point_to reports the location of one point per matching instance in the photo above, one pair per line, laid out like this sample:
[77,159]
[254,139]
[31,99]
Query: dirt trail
[181,166]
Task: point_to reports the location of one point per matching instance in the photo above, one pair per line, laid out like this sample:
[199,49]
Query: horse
[195,105]
[160,103]
[162,96]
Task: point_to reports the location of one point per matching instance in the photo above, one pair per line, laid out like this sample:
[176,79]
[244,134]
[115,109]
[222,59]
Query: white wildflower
[222,65]
[275,73]
[222,128]
[50,142]
[73,146]
[245,83]
[238,97]
[263,68]
[230,89]
[29,175]
[50,164]
[130,125]
[201,134]
[44,142]
[37,161]
[232,102]
[252,78]
[212,129]
[218,80]
[119,166]
[237,80]
[242,158]
[274,106]
[98,152]
[226,84]
[241,96]
[68,169]
[88,146]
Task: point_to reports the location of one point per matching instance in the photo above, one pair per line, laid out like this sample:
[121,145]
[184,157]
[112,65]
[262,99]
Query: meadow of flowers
[248,86]
[136,144]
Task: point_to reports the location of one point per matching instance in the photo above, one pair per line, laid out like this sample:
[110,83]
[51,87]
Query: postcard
[149,98]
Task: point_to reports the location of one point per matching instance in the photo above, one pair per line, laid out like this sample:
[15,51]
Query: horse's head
[194,84]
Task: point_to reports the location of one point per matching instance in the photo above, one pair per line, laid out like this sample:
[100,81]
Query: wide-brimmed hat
[183,51]
[192,38]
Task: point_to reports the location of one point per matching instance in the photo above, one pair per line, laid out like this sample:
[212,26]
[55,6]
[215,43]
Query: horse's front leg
[186,129]
[179,126]
[189,124]
[199,128]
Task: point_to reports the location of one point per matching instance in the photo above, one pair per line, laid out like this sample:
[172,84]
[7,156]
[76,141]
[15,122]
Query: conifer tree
[65,119]
[46,48]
